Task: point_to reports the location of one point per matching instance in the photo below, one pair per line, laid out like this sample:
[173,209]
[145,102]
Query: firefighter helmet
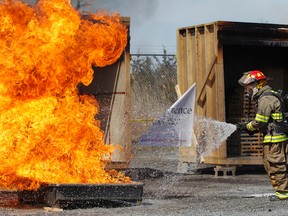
[251,76]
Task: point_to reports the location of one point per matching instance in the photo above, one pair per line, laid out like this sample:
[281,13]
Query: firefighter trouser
[275,163]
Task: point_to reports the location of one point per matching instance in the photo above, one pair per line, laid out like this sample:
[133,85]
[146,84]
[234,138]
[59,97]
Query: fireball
[49,133]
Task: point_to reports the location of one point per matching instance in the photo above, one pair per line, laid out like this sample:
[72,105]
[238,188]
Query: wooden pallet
[246,108]
[242,144]
[251,145]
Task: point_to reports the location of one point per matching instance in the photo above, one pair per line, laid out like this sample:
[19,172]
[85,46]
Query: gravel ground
[168,193]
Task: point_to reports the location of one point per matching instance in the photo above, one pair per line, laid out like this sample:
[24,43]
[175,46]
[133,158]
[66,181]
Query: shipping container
[111,88]
[214,56]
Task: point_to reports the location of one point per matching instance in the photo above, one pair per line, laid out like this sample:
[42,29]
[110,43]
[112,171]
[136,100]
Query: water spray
[210,135]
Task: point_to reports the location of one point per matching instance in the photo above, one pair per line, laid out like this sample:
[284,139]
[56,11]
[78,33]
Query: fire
[48,132]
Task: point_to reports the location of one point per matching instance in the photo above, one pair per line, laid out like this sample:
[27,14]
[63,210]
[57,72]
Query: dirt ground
[169,193]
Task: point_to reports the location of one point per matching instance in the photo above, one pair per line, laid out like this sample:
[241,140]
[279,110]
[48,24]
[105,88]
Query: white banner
[175,127]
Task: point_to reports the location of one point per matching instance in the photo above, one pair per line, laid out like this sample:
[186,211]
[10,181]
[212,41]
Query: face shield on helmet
[252,81]
[251,77]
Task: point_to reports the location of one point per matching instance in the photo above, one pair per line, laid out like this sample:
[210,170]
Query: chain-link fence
[153,80]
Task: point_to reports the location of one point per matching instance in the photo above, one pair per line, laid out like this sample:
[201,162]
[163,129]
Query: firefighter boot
[283,195]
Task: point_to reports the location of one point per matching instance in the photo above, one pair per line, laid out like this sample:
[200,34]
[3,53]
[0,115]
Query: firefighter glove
[251,133]
[241,126]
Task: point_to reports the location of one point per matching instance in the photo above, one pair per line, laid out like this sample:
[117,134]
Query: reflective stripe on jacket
[269,117]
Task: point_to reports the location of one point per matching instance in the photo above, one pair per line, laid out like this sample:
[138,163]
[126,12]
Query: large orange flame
[48,132]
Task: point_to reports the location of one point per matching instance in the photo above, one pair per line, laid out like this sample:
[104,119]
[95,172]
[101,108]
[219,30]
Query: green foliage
[155,75]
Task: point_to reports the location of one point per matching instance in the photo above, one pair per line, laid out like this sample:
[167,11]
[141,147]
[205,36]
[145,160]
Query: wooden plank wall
[120,125]
[184,63]
[199,59]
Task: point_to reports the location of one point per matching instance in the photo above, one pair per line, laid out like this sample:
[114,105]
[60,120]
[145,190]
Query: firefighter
[269,121]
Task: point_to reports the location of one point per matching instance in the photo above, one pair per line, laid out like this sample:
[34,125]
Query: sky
[154,23]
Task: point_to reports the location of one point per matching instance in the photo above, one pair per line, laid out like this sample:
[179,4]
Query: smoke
[138,10]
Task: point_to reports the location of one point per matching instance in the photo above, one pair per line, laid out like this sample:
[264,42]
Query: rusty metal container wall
[111,88]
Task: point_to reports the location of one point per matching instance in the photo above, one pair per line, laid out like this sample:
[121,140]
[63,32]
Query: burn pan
[71,195]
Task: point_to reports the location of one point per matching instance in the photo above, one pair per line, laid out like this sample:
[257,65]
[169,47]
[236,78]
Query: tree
[153,80]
